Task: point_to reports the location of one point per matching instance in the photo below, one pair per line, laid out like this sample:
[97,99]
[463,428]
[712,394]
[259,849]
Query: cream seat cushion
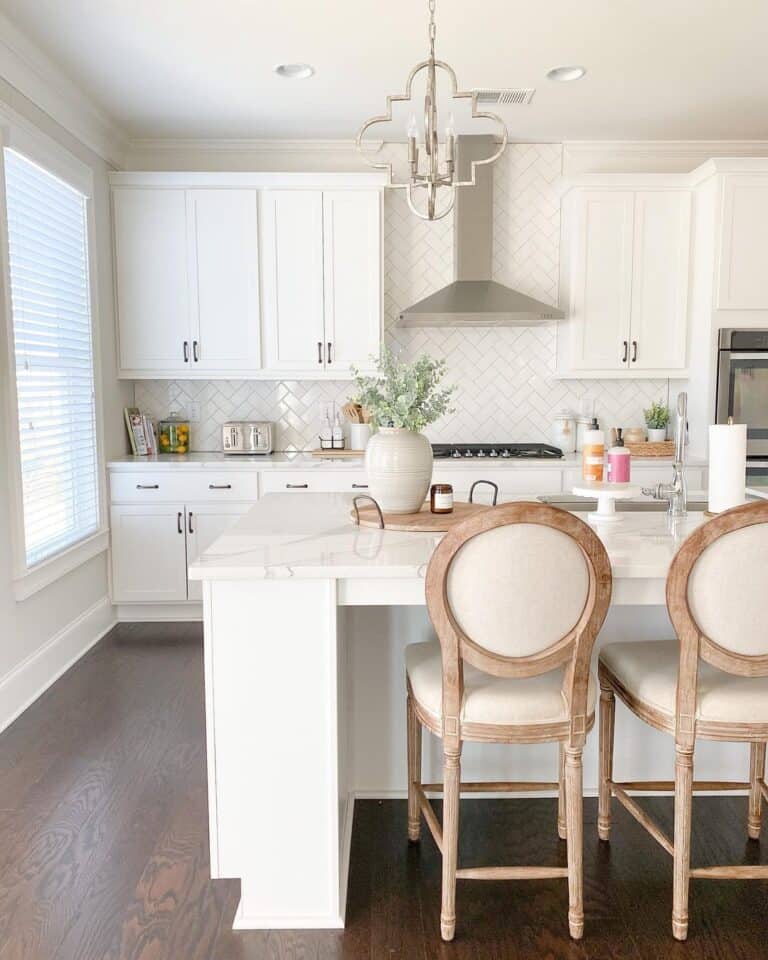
[488,699]
[648,670]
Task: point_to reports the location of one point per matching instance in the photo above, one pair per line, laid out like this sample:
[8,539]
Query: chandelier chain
[432,28]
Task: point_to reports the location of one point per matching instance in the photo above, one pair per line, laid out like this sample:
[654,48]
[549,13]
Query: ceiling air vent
[521,95]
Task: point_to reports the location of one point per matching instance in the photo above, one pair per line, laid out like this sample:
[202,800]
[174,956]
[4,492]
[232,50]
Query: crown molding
[639,155]
[35,76]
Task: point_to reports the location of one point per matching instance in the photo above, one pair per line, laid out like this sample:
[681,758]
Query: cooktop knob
[481,453]
[505,453]
[468,453]
[455,453]
[493,453]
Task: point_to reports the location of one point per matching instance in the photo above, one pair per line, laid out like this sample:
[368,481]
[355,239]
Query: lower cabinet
[153,544]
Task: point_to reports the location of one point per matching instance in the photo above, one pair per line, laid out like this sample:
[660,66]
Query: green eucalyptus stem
[402,394]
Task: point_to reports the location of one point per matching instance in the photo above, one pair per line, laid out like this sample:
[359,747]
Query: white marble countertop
[312,536]
[304,461]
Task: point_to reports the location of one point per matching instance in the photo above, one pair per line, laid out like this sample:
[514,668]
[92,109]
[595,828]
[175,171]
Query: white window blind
[50,301]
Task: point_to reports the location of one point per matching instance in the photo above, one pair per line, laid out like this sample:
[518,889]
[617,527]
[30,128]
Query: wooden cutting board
[424,521]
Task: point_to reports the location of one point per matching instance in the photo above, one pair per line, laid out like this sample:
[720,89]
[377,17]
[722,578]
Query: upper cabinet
[247,275]
[625,279]
[742,275]
[321,255]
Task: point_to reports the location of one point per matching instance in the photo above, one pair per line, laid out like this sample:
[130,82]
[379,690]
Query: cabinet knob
[634,351]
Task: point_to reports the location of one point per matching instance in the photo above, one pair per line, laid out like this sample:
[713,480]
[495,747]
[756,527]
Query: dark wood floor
[104,852]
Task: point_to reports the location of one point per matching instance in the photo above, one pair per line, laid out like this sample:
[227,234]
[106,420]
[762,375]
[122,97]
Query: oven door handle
[733,355]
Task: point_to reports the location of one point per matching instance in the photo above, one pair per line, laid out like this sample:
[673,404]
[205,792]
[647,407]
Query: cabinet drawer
[297,481]
[509,481]
[163,486]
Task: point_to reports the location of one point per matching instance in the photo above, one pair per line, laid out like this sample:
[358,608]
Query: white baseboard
[29,679]
[158,612]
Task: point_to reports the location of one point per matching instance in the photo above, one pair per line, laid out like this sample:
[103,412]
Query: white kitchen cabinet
[352,274]
[292,250]
[626,259]
[152,280]
[224,240]
[206,522]
[742,274]
[321,276]
[149,553]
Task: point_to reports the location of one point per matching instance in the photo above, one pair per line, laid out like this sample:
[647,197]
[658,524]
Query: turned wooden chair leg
[756,774]
[414,771]
[682,854]
[451,787]
[562,830]
[607,723]
[574,820]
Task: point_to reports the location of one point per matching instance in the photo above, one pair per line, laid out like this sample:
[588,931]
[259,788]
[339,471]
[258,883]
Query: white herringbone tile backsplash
[505,389]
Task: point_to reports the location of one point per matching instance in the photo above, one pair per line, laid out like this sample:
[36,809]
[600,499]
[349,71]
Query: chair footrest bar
[731,873]
[495,786]
[510,873]
[668,786]
[642,818]
[429,816]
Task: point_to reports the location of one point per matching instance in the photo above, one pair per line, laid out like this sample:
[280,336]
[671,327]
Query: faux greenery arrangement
[657,416]
[404,394]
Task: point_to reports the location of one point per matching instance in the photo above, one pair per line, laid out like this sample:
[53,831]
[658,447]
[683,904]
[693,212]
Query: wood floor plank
[104,848]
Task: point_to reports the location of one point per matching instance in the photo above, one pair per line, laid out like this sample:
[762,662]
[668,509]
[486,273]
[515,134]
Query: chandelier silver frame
[436,176]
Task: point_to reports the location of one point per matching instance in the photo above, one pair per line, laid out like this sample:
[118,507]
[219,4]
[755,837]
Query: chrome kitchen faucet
[675,492]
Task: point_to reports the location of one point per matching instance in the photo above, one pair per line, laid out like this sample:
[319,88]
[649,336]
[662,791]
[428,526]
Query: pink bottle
[618,459]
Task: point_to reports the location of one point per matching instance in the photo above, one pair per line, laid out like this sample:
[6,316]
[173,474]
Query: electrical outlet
[193,411]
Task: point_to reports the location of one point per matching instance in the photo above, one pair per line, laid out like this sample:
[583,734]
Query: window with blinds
[51,314]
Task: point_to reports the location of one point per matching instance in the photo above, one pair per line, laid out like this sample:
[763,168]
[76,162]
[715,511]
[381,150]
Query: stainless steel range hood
[473,299]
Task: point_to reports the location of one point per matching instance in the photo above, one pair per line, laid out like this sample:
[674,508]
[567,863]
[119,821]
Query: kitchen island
[305,619]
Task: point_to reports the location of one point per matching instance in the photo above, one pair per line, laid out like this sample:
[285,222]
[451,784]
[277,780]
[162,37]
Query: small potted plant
[401,399]
[657,420]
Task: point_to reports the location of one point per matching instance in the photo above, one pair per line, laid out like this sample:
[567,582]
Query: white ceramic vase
[399,467]
[657,435]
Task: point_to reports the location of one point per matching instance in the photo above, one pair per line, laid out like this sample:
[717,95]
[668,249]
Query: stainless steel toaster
[247,436]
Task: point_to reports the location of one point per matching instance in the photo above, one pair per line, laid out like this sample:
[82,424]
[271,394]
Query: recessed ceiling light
[294,71]
[564,74]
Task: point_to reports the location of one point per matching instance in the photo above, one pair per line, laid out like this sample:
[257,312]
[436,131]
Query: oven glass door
[746,392]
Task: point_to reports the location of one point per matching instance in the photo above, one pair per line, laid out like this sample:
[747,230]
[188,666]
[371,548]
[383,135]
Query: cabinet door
[149,558]
[352,266]
[206,522]
[744,239]
[153,309]
[659,324]
[292,262]
[225,279]
[601,285]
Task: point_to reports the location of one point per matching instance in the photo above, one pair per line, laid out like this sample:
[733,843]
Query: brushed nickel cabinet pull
[634,351]
[189,522]
[626,351]
[178,522]
[186,351]
[219,486]
[296,486]
[319,352]
[147,486]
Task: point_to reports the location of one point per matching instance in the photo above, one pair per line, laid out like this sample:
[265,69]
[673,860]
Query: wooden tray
[424,521]
[666,448]
[339,454]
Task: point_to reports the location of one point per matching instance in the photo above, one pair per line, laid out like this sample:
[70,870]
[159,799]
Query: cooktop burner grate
[494,451]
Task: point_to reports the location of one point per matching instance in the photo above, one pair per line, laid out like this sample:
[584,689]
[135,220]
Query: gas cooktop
[501,451]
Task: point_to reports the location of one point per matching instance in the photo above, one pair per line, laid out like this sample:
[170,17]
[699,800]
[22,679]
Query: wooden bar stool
[517,596]
[712,682]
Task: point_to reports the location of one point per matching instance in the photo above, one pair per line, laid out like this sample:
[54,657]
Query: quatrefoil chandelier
[433,176]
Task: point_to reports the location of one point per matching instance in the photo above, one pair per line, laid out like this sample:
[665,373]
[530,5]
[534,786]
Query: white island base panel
[305,701]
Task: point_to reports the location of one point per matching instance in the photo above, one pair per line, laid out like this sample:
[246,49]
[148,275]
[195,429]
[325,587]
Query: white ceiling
[659,69]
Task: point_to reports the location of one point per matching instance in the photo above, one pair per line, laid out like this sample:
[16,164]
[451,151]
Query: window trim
[50,155]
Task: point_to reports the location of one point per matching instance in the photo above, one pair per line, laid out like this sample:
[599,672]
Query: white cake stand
[607,494]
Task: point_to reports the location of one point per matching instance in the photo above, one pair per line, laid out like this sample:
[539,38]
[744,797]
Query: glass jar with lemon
[173,434]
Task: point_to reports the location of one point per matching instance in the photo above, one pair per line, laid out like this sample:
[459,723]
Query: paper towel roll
[727,465]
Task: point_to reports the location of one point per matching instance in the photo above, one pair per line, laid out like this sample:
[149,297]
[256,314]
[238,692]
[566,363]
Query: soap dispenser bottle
[593,453]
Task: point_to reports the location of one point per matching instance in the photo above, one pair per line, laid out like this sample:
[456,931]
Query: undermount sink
[566,501]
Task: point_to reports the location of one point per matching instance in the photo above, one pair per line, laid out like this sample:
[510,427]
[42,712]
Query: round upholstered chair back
[717,591]
[515,590]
